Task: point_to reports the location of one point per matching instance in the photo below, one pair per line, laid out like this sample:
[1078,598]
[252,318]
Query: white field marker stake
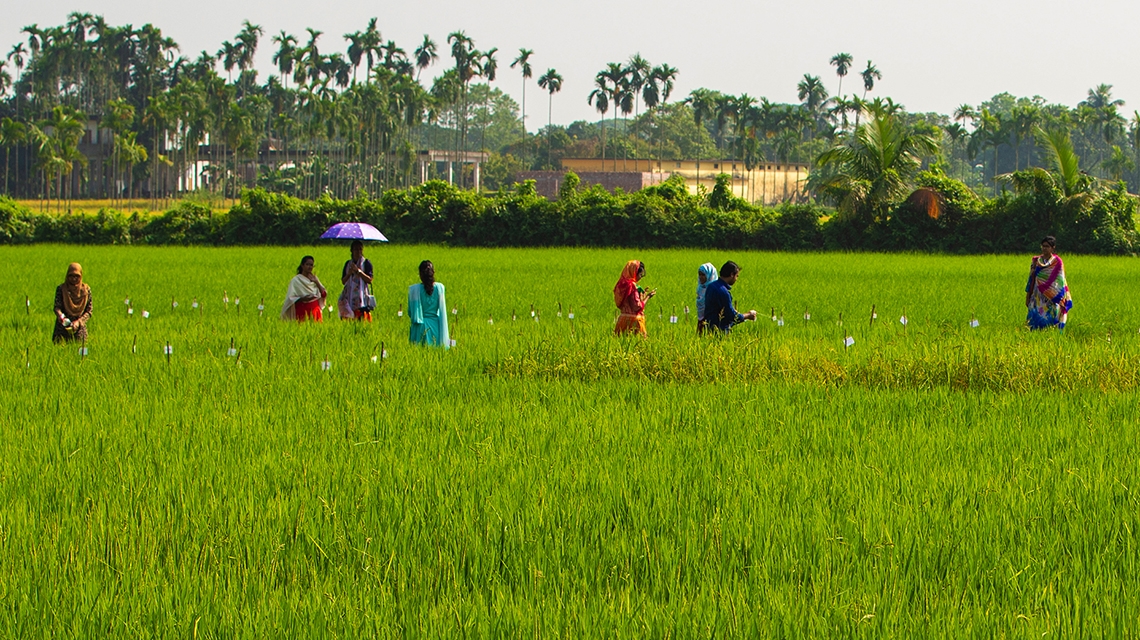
[400,311]
[571,314]
[673,317]
[27,304]
[232,351]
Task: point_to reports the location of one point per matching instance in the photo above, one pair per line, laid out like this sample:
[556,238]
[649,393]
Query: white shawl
[300,288]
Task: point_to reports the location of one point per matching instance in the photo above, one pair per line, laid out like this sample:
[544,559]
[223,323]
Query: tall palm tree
[523,62]
[12,133]
[813,95]
[552,82]
[842,63]
[286,54]
[702,102]
[425,55]
[870,75]
[600,99]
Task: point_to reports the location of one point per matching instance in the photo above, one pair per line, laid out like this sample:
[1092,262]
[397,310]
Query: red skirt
[307,310]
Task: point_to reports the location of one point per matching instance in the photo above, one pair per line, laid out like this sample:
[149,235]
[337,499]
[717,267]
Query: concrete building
[767,182]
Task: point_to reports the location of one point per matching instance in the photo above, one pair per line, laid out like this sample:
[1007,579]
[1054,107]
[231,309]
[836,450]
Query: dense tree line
[343,123]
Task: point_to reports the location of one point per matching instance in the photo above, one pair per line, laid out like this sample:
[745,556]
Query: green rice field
[546,479]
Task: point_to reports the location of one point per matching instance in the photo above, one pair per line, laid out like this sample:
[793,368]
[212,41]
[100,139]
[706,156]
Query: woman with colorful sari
[427,309]
[305,296]
[630,299]
[706,274]
[72,306]
[1047,292]
[356,301]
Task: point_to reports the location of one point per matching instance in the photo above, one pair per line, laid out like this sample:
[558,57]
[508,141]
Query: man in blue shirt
[719,312]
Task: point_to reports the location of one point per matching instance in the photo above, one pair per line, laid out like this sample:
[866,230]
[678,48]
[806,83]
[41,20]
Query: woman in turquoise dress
[427,309]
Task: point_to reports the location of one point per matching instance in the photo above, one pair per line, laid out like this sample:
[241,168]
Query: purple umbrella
[353,231]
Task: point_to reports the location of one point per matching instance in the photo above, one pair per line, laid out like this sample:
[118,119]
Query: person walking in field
[706,274]
[72,306]
[356,300]
[427,309]
[630,300]
[305,296]
[1047,292]
[719,311]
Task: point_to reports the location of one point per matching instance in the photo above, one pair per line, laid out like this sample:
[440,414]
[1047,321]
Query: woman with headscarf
[427,309]
[306,294]
[72,306]
[356,300]
[706,274]
[1047,292]
[630,299]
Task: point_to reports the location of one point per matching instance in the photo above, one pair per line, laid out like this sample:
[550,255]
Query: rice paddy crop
[546,479]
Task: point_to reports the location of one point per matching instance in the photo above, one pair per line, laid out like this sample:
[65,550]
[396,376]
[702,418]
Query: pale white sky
[933,55]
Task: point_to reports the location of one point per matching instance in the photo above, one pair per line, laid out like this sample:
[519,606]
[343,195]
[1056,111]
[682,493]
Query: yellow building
[768,182]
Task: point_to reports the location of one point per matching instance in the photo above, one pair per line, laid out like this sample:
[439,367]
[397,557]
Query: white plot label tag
[168,350]
[780,322]
[452,343]
[672,319]
[261,307]
[325,365]
[807,316]
[83,351]
[174,305]
[232,352]
[903,321]
[130,312]
[400,313]
[571,315]
[849,341]
[194,305]
[146,314]
[974,323]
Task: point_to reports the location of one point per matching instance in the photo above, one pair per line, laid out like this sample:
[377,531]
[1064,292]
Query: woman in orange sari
[630,299]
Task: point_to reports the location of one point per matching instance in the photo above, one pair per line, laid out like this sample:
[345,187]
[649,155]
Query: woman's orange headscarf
[627,283]
[75,296]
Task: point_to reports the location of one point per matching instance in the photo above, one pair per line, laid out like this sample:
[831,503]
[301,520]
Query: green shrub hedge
[664,215]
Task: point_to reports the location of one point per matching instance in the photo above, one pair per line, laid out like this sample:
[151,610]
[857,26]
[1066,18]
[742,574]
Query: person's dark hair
[640,270]
[1049,240]
[424,265]
[356,244]
[729,269]
[303,259]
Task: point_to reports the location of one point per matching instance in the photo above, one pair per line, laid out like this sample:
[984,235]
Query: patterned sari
[1048,295]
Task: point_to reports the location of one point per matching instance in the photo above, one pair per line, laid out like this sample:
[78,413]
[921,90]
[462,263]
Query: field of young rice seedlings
[545,479]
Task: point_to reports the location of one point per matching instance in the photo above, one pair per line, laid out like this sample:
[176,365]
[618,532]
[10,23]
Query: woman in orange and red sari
[305,296]
[630,299]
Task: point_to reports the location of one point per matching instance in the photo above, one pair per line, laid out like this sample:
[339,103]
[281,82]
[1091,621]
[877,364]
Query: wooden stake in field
[873,316]
[400,311]
[903,320]
[135,344]
[83,350]
[237,360]
[532,313]
[261,308]
[514,316]
[27,304]
[559,309]
[226,299]
[173,304]
[233,351]
[168,351]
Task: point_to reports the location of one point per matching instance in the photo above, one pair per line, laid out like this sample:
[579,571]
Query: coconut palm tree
[842,63]
[523,62]
[12,133]
[552,82]
[703,103]
[874,168]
